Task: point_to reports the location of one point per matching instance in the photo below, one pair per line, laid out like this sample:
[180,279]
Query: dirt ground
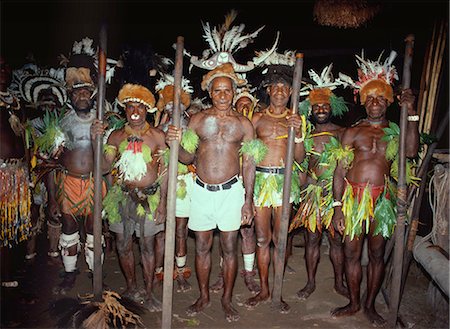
[27,306]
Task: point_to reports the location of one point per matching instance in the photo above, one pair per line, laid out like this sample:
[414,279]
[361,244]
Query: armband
[413,118]
[254,148]
[336,204]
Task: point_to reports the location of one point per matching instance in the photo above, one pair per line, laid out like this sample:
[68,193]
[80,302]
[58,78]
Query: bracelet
[298,140]
[337,204]
[413,117]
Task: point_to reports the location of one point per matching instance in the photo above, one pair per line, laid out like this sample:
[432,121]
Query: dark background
[48,28]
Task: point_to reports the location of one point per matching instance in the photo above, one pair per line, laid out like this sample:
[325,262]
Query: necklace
[278,116]
[131,132]
[375,122]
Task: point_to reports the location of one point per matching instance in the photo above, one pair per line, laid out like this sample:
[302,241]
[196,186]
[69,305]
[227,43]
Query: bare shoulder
[256,117]
[116,137]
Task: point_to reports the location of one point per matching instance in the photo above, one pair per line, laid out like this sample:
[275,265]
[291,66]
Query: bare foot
[197,307]
[342,290]
[231,315]
[135,294]
[374,318]
[249,280]
[152,304]
[344,311]
[281,306]
[304,293]
[289,269]
[182,284]
[218,285]
[252,302]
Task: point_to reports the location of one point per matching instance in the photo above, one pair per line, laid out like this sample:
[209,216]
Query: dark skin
[369,165]
[154,138]
[268,219]
[221,131]
[79,161]
[248,242]
[181,229]
[322,116]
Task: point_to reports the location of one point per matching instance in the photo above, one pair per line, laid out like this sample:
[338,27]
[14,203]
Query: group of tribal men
[230,178]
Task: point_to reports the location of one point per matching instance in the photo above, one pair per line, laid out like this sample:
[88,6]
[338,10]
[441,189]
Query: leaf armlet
[110,150]
[254,148]
[189,141]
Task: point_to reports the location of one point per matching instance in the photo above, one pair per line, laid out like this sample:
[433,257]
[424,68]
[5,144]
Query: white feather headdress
[223,42]
[85,47]
[324,80]
[372,70]
[167,80]
[267,58]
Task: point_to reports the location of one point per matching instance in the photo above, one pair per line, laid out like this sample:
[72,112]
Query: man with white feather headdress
[71,185]
[363,193]
[224,41]
[323,150]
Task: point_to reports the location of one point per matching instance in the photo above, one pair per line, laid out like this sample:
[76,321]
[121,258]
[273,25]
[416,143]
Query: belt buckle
[212,188]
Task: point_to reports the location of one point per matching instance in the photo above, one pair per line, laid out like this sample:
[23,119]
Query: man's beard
[316,120]
[86,107]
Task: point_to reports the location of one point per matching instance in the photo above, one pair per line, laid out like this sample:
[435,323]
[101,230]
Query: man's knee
[148,245]
[123,245]
[263,241]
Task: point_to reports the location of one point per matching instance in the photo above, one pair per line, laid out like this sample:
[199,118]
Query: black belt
[271,170]
[217,187]
[141,192]
[79,176]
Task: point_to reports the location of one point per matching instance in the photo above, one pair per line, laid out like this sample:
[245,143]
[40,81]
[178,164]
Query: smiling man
[362,190]
[219,198]
[136,203]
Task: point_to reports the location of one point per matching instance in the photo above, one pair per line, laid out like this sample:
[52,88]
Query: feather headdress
[224,41]
[245,91]
[370,72]
[165,89]
[321,92]
[32,86]
[277,66]
[84,56]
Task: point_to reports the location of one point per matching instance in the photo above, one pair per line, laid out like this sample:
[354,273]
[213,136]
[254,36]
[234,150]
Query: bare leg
[375,274]
[312,257]
[248,250]
[126,261]
[203,244]
[69,226]
[218,285]
[263,237]
[228,240]
[337,259]
[283,307]
[160,238]
[148,266]
[353,273]
[183,271]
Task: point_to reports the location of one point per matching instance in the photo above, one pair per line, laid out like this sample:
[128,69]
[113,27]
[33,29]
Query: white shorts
[183,206]
[211,209]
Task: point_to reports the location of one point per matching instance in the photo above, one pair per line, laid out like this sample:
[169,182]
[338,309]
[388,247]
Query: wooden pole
[98,145]
[169,252]
[401,191]
[286,209]
[418,201]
